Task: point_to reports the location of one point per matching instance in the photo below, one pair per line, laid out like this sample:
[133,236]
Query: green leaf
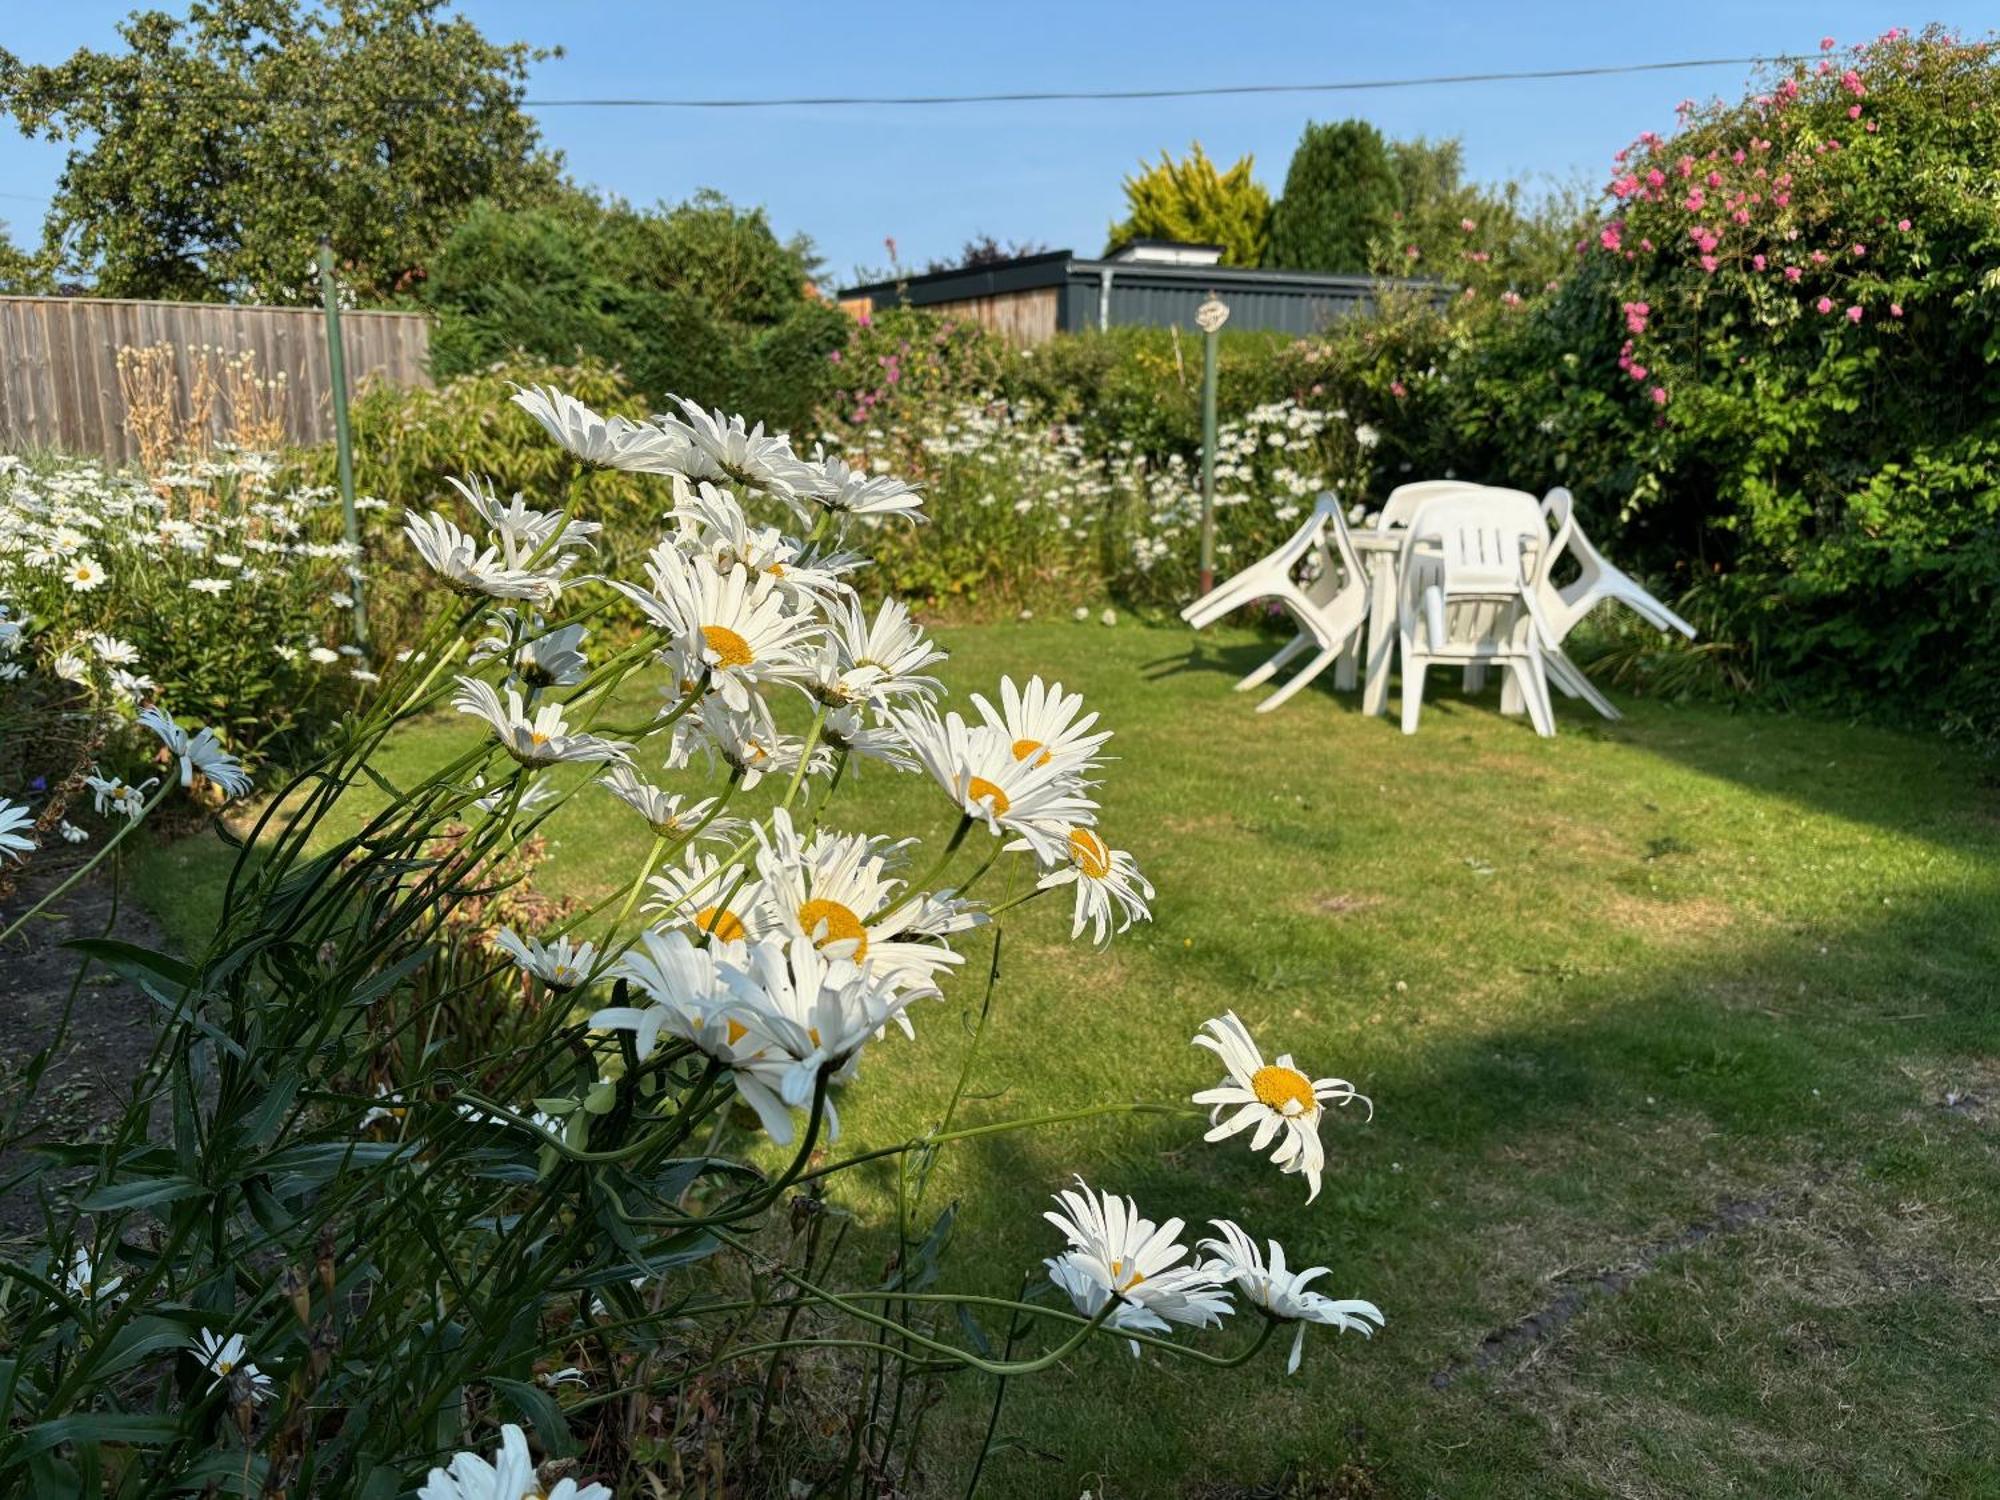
[163,975]
[95,1427]
[539,1407]
[142,1194]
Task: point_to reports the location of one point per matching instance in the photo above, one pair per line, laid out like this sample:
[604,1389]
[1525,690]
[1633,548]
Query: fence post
[1211,315]
[343,437]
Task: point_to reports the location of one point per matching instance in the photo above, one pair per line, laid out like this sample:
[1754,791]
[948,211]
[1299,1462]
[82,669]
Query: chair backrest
[1479,538]
[1405,500]
[1343,551]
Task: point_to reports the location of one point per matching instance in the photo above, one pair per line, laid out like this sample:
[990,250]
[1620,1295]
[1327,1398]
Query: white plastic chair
[1597,581]
[1405,500]
[1467,595]
[1328,610]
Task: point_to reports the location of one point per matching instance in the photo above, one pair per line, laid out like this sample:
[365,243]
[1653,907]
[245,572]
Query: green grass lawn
[1693,971]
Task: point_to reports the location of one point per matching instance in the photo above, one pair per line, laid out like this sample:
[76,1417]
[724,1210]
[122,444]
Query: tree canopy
[1191,201]
[1341,194]
[211,154]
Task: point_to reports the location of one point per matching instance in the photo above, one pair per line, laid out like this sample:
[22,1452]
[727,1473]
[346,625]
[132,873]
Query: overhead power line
[1212,91]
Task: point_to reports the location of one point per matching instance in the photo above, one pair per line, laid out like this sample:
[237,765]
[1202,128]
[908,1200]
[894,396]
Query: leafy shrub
[218,589]
[1192,202]
[1341,195]
[702,299]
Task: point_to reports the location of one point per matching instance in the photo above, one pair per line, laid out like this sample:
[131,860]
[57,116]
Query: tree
[701,299]
[1192,202]
[19,273]
[1341,194]
[210,155]
[985,250]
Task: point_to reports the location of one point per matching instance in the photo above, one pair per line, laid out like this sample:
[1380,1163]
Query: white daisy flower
[687,994]
[1107,881]
[227,1357]
[200,753]
[1035,799]
[84,574]
[747,742]
[112,651]
[110,794]
[82,1281]
[671,817]
[71,667]
[552,659]
[131,687]
[736,625]
[561,965]
[528,538]
[1114,1252]
[846,729]
[810,1013]
[613,442]
[861,662]
[209,586]
[71,833]
[724,449]
[326,656]
[458,559]
[836,893]
[1041,723]
[1281,1293]
[511,1476]
[707,897]
[1275,1097]
[859,494]
[539,741]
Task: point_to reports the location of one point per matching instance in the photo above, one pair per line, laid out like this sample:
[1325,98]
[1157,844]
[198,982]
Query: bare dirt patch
[110,1036]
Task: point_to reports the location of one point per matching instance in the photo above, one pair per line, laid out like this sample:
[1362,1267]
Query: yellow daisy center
[1091,853]
[1023,749]
[1286,1090]
[536,737]
[720,921]
[731,649]
[1118,1277]
[979,789]
[840,922]
[737,1031]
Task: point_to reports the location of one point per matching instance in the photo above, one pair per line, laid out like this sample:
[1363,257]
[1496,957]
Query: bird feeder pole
[1211,315]
[343,436]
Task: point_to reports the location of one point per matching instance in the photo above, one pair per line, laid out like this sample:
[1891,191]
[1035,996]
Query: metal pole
[343,437]
[1211,317]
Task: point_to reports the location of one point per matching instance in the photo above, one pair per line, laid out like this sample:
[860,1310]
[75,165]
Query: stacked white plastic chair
[1468,578]
[1329,611]
[1597,581]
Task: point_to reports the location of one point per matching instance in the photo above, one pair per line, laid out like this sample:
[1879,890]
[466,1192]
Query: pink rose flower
[1659,395]
[1895,309]
[1825,305]
[1854,315]
[1757,261]
[1904,225]
[1793,273]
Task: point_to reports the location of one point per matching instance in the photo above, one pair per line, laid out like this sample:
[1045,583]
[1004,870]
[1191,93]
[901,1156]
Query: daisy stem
[986,1366]
[167,784]
[1020,900]
[917,887]
[805,754]
[645,868]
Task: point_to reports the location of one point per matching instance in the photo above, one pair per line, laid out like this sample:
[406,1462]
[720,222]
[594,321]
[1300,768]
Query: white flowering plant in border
[332,1245]
[218,585]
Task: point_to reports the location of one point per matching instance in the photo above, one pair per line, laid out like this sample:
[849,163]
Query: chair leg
[1300,678]
[1535,690]
[1347,670]
[1413,692]
[1475,677]
[1270,668]
[1510,694]
[1568,676]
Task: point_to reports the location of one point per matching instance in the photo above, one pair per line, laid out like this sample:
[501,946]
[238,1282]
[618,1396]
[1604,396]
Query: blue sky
[933,177]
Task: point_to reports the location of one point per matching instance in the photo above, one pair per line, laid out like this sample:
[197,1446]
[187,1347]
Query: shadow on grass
[1508,1165]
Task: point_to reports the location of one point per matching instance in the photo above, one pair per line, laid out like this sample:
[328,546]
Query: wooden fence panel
[59,363]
